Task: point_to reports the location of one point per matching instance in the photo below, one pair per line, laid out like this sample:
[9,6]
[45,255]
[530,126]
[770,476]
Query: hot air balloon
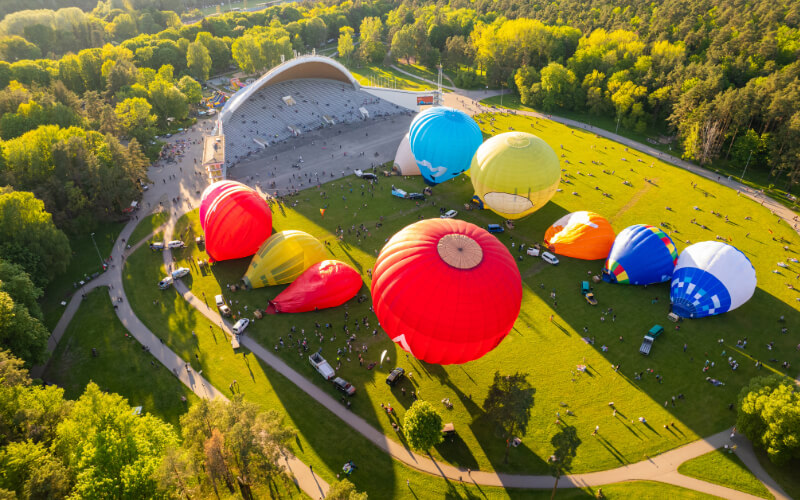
[446,290]
[235,220]
[443,141]
[282,258]
[641,255]
[515,174]
[711,278]
[404,160]
[582,235]
[329,283]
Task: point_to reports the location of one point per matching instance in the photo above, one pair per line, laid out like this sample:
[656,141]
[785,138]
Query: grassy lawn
[121,365]
[723,468]
[84,262]
[633,490]
[385,77]
[147,226]
[785,475]
[754,177]
[553,375]
[605,122]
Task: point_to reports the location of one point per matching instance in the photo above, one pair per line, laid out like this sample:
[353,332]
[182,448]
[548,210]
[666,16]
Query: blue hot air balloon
[711,278]
[443,141]
[641,255]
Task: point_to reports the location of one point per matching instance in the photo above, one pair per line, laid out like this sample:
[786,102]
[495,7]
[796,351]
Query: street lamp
[102,264]
[747,163]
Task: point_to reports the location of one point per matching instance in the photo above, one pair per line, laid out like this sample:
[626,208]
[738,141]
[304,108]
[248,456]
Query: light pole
[747,163]
[98,251]
[618,119]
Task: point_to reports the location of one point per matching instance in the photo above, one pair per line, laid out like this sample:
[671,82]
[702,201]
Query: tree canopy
[422,426]
[769,415]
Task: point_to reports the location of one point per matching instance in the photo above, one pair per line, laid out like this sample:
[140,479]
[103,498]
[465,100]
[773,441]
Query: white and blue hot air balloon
[443,141]
[711,278]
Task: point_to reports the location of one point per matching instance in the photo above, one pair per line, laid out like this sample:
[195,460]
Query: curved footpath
[188,185]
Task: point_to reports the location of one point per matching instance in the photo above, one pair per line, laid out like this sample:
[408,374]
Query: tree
[370,39]
[136,119]
[565,443]
[111,451]
[16,48]
[403,44]
[198,60]
[769,415]
[509,404]
[32,471]
[190,88]
[344,490]
[29,238]
[558,88]
[422,426]
[246,53]
[346,44]
[167,100]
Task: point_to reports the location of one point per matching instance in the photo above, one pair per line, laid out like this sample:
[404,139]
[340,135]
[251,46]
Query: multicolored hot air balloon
[515,174]
[581,235]
[443,141]
[235,220]
[446,290]
[711,278]
[404,160]
[282,258]
[641,255]
[329,283]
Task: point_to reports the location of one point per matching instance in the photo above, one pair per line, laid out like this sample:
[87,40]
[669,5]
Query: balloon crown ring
[459,251]
[518,142]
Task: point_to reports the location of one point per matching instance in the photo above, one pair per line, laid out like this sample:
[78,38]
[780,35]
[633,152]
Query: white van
[240,325]
[176,244]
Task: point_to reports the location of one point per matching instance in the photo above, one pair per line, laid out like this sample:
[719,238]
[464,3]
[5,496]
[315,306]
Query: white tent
[404,160]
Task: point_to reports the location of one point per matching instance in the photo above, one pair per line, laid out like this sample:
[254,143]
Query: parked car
[495,228]
[165,283]
[344,386]
[240,326]
[225,310]
[321,365]
[449,214]
[395,375]
[366,175]
[176,244]
[180,272]
[157,245]
[549,258]
[219,300]
[415,196]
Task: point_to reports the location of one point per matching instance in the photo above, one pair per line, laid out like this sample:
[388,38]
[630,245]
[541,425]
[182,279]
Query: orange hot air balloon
[581,235]
[329,283]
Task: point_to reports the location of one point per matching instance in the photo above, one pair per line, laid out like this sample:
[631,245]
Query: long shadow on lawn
[374,468]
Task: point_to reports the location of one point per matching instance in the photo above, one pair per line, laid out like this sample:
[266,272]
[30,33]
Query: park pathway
[188,185]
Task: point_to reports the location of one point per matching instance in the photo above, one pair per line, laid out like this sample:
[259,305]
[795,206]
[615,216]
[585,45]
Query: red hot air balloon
[235,220]
[329,283]
[446,290]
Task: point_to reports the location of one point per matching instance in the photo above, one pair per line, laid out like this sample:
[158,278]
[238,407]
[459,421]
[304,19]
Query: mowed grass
[147,225]
[83,262]
[384,76]
[121,365]
[726,469]
[549,352]
[785,475]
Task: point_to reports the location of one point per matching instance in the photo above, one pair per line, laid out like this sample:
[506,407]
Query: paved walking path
[188,186]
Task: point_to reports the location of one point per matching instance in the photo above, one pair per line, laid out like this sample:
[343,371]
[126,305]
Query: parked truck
[322,366]
[651,336]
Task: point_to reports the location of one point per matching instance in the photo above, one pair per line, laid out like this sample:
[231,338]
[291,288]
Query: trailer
[651,336]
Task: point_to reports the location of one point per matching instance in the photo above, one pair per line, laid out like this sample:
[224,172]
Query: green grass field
[785,475]
[121,365]
[757,177]
[147,225]
[702,412]
[723,468]
[385,77]
[84,262]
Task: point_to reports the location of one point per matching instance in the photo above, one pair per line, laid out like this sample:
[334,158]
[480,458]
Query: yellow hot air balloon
[282,258]
[515,174]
